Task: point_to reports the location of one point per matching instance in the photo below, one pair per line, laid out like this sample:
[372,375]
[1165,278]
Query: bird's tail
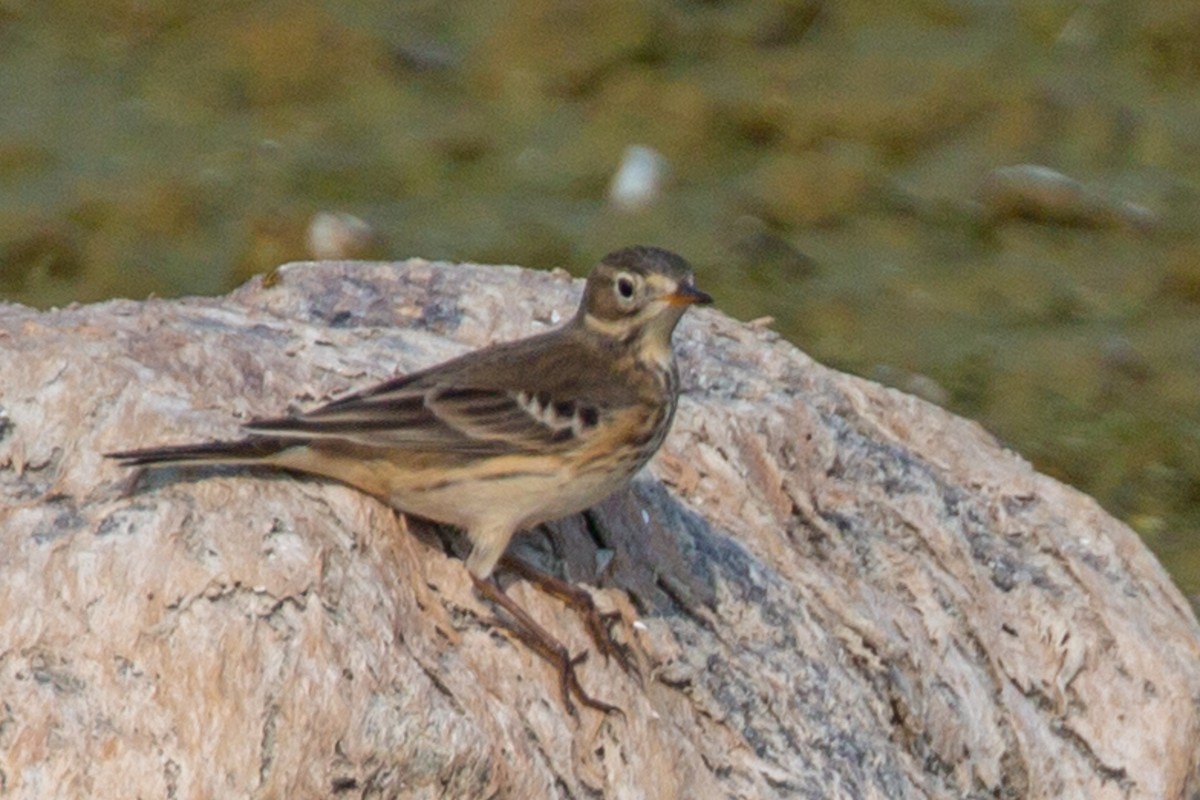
[251,450]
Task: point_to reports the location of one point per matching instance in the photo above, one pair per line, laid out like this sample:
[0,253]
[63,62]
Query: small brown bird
[506,437]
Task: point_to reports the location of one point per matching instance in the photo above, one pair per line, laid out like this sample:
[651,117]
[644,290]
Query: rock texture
[839,590]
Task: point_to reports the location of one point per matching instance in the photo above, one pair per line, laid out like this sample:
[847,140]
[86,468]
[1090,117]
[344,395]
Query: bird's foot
[538,639]
[598,624]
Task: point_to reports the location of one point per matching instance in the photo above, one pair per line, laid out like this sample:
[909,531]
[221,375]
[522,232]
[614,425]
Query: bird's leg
[578,599]
[538,639]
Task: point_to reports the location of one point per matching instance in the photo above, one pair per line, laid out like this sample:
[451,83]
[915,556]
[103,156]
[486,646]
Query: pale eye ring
[625,287]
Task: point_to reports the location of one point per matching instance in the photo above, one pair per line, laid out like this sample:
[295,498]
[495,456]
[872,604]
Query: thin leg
[538,639]
[581,601]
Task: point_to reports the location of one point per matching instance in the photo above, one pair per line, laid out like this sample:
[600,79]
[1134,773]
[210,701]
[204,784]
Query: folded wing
[415,415]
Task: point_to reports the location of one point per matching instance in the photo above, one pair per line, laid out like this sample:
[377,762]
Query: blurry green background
[827,164]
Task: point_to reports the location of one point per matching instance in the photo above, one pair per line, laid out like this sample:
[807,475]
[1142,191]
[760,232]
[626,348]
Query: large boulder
[832,589]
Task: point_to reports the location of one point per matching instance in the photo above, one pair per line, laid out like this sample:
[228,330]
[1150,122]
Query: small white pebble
[645,517]
[555,317]
[638,625]
[338,235]
[639,179]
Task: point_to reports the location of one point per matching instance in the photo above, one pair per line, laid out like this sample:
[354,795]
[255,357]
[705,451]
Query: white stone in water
[338,235]
[639,179]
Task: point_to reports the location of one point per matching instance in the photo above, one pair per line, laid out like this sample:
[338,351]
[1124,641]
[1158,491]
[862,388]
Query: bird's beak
[685,295]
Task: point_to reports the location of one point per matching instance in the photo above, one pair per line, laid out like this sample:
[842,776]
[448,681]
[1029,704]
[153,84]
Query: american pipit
[506,437]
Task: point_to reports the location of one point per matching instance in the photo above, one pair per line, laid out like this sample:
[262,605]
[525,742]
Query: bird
[503,438]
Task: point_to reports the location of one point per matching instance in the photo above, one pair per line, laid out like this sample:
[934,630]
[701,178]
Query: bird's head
[639,293]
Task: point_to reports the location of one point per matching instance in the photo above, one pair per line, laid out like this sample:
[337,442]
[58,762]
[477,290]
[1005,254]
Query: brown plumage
[506,437]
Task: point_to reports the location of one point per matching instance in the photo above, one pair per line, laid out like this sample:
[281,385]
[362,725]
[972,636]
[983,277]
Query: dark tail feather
[245,451]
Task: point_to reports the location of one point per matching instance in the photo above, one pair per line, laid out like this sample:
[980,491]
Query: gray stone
[839,590]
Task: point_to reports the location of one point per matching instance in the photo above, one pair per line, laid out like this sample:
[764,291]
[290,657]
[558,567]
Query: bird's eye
[625,286]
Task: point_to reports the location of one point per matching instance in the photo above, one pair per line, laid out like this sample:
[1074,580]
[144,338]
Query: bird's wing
[457,407]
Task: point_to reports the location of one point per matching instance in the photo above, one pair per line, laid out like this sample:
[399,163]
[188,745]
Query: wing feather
[455,418]
[469,405]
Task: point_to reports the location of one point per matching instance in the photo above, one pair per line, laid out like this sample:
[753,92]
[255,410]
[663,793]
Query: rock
[839,590]
[913,383]
[334,235]
[1031,191]
[638,181]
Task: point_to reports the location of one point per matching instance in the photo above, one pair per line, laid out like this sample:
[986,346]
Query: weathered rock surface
[842,591]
